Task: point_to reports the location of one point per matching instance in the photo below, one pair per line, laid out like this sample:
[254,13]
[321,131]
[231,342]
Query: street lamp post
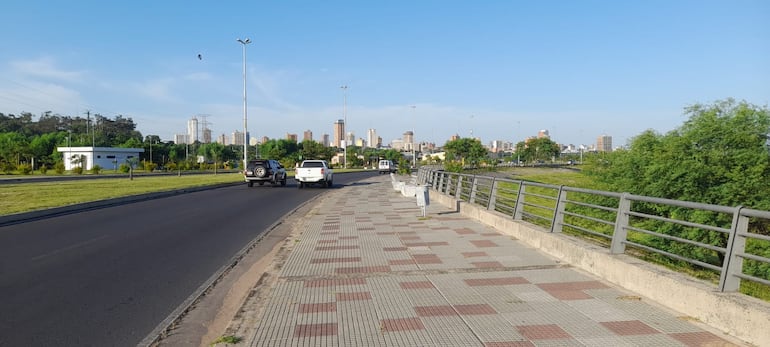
[414,156]
[245,131]
[345,123]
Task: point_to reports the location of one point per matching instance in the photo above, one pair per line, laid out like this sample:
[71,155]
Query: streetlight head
[247,41]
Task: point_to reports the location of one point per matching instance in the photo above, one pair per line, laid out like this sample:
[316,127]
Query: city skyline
[492,70]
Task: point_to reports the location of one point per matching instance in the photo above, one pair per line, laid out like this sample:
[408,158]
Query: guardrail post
[492,195]
[519,205]
[620,233]
[441,182]
[558,213]
[434,179]
[474,187]
[459,188]
[736,244]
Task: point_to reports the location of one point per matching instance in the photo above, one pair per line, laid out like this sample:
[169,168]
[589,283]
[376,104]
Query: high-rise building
[604,143]
[238,138]
[291,137]
[307,136]
[192,130]
[339,132]
[496,146]
[454,137]
[371,138]
[325,140]
[222,139]
[206,135]
[180,139]
[350,138]
[409,141]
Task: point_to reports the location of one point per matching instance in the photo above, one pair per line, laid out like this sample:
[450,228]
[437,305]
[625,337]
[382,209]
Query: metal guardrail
[652,228]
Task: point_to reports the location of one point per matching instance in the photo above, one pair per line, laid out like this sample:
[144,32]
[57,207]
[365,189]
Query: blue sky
[501,70]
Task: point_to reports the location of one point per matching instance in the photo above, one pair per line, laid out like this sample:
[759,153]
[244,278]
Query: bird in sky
[200,57]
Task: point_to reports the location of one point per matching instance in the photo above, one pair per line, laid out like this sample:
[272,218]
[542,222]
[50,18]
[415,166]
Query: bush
[59,167]
[77,170]
[149,166]
[124,168]
[8,168]
[453,166]
[25,169]
[43,169]
[96,169]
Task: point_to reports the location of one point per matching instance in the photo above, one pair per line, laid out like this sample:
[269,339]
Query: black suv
[264,170]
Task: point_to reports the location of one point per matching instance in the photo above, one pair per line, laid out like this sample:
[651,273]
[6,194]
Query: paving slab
[367,269]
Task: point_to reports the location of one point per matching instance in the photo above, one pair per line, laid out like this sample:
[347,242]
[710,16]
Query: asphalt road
[108,277]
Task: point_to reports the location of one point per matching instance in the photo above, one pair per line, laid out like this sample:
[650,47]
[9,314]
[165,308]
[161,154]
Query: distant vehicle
[386,166]
[264,170]
[314,172]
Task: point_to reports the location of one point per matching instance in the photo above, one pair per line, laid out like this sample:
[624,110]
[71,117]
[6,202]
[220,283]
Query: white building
[106,157]
[371,138]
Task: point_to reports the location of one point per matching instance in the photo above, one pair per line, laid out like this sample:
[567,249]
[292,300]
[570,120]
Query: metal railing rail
[620,220]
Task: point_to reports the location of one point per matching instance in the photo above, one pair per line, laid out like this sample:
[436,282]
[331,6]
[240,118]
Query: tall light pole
[245,131]
[414,157]
[345,123]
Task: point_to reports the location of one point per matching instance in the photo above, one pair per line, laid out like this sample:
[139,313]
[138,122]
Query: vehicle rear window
[252,164]
[312,164]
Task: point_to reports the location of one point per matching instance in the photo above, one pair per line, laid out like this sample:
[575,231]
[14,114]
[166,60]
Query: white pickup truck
[314,171]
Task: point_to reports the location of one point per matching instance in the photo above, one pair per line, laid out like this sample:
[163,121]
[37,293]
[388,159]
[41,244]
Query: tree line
[25,140]
[719,156]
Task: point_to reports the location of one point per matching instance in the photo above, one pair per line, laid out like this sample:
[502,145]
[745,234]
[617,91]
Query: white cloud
[158,89]
[45,68]
[198,76]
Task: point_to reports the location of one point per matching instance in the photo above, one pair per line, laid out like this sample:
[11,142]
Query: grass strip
[25,197]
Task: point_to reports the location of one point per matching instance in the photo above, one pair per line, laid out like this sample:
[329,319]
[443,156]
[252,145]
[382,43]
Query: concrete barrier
[735,314]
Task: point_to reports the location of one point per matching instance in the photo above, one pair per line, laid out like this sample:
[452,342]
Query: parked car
[386,166]
[264,170]
[314,171]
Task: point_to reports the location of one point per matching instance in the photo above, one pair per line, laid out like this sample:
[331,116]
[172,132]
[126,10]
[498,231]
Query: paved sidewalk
[369,270]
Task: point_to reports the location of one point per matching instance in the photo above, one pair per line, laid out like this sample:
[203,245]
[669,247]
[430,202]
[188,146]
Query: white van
[386,166]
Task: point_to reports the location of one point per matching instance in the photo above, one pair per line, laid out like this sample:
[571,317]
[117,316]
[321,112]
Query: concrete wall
[739,315]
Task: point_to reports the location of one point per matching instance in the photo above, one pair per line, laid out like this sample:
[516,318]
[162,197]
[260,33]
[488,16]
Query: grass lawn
[24,197]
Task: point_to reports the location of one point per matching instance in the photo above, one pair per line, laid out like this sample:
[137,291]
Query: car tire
[261,183]
[329,184]
[300,185]
[250,183]
[283,181]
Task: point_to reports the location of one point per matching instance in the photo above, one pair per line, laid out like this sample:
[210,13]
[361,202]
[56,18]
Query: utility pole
[92,129]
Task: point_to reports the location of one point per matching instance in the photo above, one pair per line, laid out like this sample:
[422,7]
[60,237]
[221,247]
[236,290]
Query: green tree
[353,158]
[718,156]
[278,149]
[314,150]
[214,152]
[13,147]
[392,155]
[466,150]
[542,149]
